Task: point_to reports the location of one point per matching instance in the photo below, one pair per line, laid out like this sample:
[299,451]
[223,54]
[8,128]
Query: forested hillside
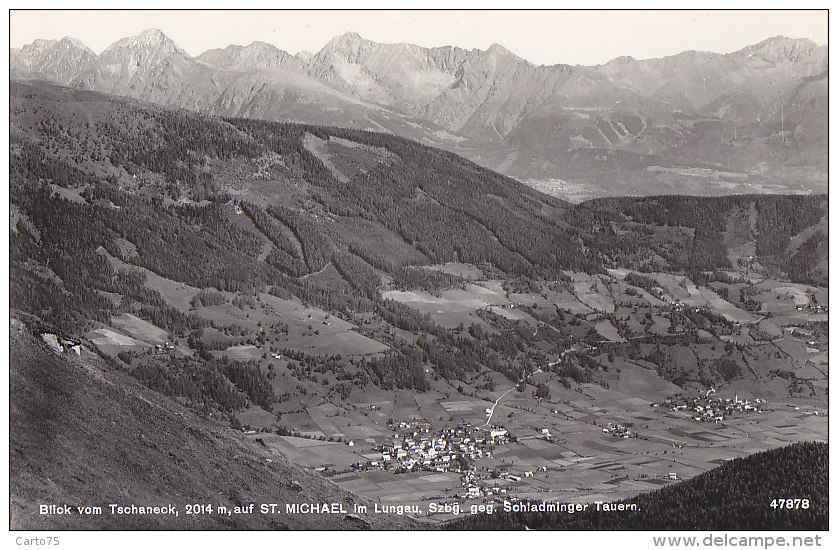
[125,209]
[785,233]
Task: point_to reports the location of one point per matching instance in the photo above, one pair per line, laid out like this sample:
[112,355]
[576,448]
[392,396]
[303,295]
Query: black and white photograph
[419,270]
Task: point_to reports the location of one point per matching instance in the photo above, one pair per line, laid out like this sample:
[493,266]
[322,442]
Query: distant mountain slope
[735,496]
[248,207]
[443,206]
[751,119]
[368,203]
[787,234]
[84,434]
[256,56]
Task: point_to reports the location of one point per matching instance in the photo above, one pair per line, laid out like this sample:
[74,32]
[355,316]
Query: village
[414,448]
[708,409]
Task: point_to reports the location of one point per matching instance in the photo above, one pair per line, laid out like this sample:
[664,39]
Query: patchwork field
[453,307]
[578,463]
[111,342]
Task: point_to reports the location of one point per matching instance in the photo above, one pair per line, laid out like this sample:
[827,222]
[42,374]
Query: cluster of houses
[817,308]
[707,409]
[617,430]
[677,305]
[416,426]
[164,347]
[470,481]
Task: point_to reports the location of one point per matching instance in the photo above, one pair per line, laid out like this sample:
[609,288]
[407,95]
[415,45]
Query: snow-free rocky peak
[254,57]
[779,49]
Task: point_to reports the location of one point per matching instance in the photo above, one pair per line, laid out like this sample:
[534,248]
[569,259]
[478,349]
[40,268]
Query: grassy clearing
[140,329]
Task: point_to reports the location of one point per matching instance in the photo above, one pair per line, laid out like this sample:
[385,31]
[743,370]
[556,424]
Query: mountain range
[696,123]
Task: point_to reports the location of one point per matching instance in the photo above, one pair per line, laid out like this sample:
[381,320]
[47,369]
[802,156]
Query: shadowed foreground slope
[734,496]
[82,434]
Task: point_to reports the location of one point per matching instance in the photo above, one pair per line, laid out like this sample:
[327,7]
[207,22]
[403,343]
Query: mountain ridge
[603,127]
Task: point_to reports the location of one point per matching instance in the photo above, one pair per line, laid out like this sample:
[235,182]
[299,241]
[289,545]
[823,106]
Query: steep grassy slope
[736,495]
[83,434]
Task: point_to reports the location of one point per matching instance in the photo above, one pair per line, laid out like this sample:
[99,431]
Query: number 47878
[790,503]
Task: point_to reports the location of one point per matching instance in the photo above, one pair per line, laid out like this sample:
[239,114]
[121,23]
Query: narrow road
[318,272]
[492,410]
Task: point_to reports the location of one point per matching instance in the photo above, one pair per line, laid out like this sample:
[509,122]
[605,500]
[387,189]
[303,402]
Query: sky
[584,37]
